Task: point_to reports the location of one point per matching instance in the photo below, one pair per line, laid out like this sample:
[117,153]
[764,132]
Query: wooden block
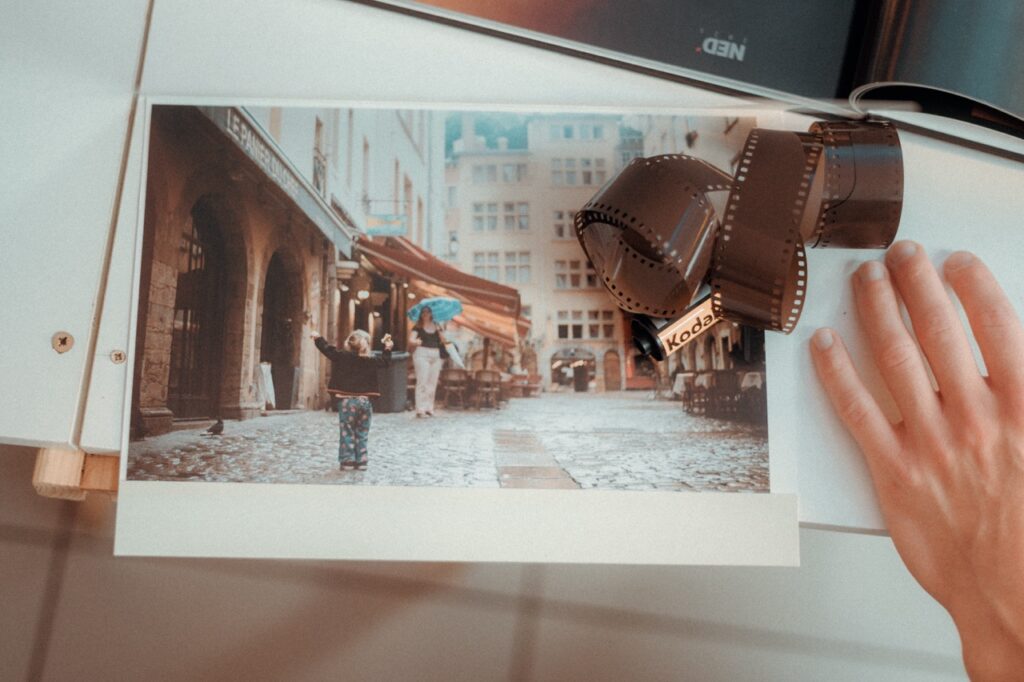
[58,473]
[100,473]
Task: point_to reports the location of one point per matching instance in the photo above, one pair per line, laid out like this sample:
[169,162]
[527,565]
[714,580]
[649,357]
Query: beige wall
[544,198]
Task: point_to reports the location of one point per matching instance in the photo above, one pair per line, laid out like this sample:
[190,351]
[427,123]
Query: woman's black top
[352,374]
[428,339]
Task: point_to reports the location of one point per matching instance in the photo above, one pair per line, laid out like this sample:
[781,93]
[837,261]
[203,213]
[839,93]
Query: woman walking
[428,341]
[353,381]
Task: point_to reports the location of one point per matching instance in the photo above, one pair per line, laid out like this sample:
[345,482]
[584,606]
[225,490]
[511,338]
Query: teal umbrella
[444,309]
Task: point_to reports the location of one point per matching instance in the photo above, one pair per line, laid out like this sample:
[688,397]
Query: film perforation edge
[843,210]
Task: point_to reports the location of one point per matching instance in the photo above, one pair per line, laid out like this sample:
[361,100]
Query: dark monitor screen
[801,47]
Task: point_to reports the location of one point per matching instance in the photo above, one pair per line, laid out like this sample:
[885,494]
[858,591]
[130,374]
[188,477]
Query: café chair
[455,384]
[486,388]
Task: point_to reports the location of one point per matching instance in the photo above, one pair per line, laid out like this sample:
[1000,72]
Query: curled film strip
[650,253]
[655,239]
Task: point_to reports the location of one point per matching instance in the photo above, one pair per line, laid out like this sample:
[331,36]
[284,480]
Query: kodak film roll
[654,238]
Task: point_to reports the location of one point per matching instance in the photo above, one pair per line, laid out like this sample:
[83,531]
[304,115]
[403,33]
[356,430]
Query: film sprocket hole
[667,257]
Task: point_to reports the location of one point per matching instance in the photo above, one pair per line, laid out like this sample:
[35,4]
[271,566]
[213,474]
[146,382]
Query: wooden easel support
[72,474]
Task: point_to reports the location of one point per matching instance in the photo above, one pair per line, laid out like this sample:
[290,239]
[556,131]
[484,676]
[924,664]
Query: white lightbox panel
[108,393]
[331,50]
[954,199]
[66,76]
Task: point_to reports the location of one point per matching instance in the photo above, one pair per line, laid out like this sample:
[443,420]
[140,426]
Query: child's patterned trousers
[354,414]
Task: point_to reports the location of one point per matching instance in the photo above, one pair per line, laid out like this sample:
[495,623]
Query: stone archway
[233,400]
[280,325]
[201,274]
[573,368]
[197,321]
[196,230]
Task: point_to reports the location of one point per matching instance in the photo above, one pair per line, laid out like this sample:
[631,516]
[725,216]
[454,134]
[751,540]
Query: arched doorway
[612,371]
[573,368]
[197,328]
[281,325]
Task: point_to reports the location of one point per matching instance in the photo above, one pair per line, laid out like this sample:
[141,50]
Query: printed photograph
[397,297]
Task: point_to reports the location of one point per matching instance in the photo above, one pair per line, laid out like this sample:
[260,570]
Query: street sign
[386,226]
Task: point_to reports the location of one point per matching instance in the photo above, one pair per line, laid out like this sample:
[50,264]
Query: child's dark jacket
[352,374]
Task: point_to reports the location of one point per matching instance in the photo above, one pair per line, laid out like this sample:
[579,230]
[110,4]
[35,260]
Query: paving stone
[541,483]
[624,441]
[532,472]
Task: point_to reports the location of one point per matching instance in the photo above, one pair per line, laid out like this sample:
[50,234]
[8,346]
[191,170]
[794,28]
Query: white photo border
[199,519]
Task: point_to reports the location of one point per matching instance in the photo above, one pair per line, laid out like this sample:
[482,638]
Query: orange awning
[497,326]
[489,309]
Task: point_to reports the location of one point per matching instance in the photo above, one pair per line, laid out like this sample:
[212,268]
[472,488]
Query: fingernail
[901,251]
[871,271]
[960,259]
[823,339]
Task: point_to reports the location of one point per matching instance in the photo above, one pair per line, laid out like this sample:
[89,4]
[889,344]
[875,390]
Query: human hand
[314,335]
[388,342]
[950,475]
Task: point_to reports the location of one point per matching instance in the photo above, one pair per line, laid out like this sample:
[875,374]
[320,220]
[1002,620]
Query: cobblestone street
[623,441]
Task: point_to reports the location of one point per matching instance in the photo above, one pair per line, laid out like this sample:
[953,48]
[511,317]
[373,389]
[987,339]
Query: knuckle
[915,270]
[874,303]
[900,474]
[896,355]
[915,476]
[1014,407]
[935,323]
[832,365]
[974,431]
[853,410]
[973,274]
[993,316]
[831,368]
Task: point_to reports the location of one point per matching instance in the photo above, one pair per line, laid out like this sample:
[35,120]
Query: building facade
[382,172]
[511,213]
[382,169]
[251,223]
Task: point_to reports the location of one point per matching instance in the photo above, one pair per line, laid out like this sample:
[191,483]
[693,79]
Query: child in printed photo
[353,382]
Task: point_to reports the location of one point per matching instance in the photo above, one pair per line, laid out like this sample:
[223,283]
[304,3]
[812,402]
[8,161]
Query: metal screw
[118,357]
[62,342]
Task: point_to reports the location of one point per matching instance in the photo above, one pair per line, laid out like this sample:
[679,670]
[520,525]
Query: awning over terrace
[489,309]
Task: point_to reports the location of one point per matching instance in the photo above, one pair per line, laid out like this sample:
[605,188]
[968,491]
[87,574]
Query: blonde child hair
[358,342]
